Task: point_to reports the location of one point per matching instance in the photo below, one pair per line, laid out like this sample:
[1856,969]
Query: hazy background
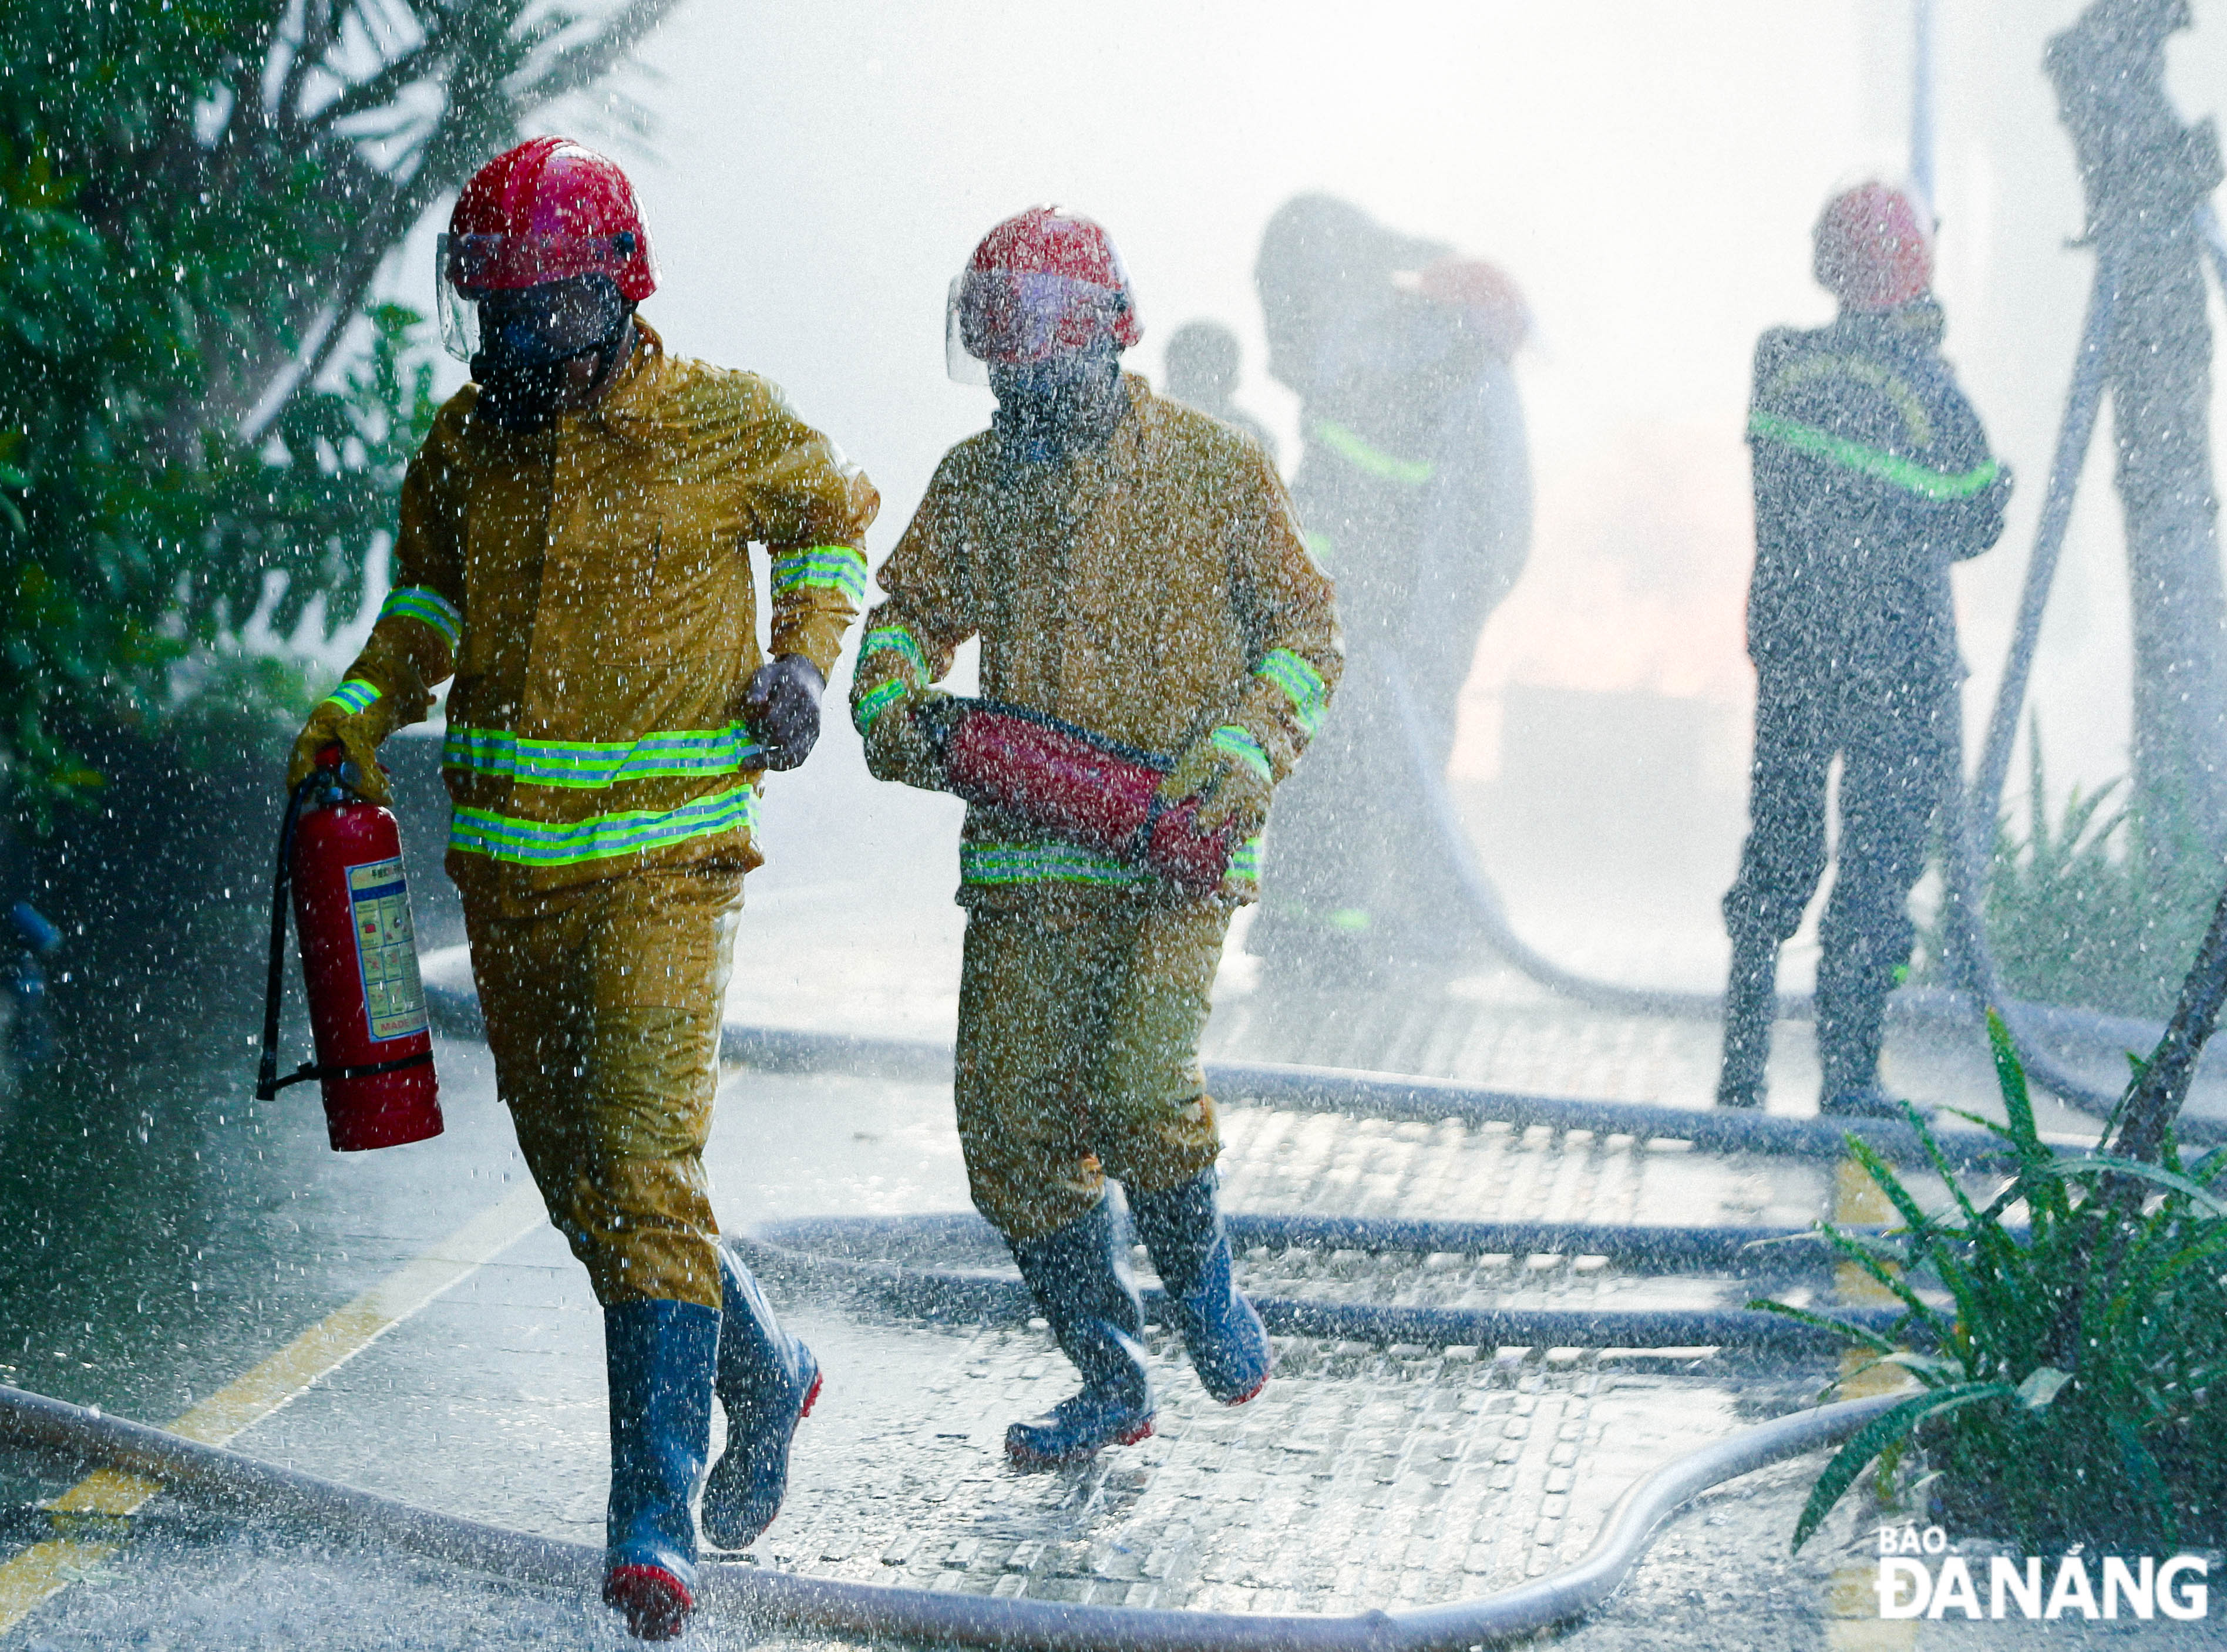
[1649,174]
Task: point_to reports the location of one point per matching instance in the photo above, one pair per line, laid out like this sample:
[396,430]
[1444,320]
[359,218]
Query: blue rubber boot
[1182,1227]
[660,1357]
[766,1382]
[1076,1278]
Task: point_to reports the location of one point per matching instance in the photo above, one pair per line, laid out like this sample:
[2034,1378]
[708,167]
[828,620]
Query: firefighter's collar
[628,396]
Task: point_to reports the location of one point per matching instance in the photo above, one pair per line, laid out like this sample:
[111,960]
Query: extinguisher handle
[267,1081]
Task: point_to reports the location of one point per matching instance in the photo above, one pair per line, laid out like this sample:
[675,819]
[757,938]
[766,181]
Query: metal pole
[1921,102]
[2073,434]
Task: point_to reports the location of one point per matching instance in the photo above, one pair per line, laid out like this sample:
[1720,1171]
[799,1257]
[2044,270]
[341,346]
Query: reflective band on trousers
[872,704]
[1854,456]
[547,843]
[1302,684]
[1356,452]
[895,638]
[1043,863]
[595,764]
[1239,742]
[353,695]
[831,567]
[419,602]
[1064,862]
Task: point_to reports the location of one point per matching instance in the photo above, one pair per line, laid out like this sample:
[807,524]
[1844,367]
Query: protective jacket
[589,587]
[1154,589]
[1871,476]
[1415,487]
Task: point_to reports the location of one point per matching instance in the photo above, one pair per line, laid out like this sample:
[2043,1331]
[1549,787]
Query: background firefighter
[573,548]
[1130,565]
[1872,475]
[1203,361]
[1414,484]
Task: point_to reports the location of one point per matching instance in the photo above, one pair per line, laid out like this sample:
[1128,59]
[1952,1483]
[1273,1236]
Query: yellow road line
[46,1569]
[1852,1619]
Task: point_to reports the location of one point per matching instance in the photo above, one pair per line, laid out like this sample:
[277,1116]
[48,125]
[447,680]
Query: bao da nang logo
[1918,1577]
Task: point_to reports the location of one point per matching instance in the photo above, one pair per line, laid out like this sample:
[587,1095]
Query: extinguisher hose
[267,1081]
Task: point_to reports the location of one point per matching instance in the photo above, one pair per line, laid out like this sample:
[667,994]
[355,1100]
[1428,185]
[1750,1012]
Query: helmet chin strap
[521,395]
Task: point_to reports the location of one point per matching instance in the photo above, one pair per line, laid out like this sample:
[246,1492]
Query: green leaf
[2041,1386]
[1890,1427]
[2098,1163]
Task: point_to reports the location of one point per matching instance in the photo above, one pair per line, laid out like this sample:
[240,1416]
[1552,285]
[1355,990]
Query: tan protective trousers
[603,1005]
[1078,1057]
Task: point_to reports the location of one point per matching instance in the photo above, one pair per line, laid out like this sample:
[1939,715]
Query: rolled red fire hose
[1080,785]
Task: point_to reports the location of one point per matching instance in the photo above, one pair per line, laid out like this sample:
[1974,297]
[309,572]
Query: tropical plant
[2075,1386]
[2101,907]
[197,198]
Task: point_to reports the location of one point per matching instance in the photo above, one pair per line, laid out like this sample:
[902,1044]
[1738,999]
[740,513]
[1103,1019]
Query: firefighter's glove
[1227,772]
[782,706]
[898,746]
[357,732]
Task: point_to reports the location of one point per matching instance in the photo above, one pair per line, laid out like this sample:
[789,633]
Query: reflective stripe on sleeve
[1239,744]
[1302,684]
[870,705]
[423,604]
[823,567]
[352,695]
[1245,864]
[543,843]
[595,764]
[1043,863]
[1349,446]
[1905,474]
[895,638]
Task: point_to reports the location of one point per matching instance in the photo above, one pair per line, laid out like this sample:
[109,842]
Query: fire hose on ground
[817,1249]
[824,1251]
[786,1600]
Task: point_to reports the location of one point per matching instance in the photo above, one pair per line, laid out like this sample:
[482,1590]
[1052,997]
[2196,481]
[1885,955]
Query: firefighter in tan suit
[1131,567]
[573,549]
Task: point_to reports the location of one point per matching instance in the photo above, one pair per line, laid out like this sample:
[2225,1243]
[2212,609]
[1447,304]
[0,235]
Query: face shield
[1012,318]
[529,288]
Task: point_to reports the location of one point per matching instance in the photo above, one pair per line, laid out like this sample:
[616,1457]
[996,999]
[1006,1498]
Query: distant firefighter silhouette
[1871,476]
[1414,488]
[1203,359]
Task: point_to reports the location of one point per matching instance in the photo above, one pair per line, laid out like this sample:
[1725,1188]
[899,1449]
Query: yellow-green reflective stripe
[1854,456]
[353,695]
[1245,864]
[1318,547]
[1042,862]
[1301,683]
[419,602]
[831,567]
[542,843]
[877,700]
[1239,742]
[895,638]
[1356,452]
[1893,386]
[594,764]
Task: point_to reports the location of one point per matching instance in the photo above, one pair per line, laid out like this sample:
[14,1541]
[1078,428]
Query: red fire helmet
[547,210]
[1043,282]
[1874,249]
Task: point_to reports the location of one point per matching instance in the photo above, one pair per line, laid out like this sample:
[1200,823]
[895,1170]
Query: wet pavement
[165,1237]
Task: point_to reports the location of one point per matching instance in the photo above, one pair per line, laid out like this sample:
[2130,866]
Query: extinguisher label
[379,900]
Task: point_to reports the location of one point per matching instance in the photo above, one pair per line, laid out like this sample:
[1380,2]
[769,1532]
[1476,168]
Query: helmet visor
[1011,317]
[545,317]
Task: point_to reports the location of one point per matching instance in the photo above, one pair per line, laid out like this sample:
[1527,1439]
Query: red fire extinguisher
[341,858]
[1078,783]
